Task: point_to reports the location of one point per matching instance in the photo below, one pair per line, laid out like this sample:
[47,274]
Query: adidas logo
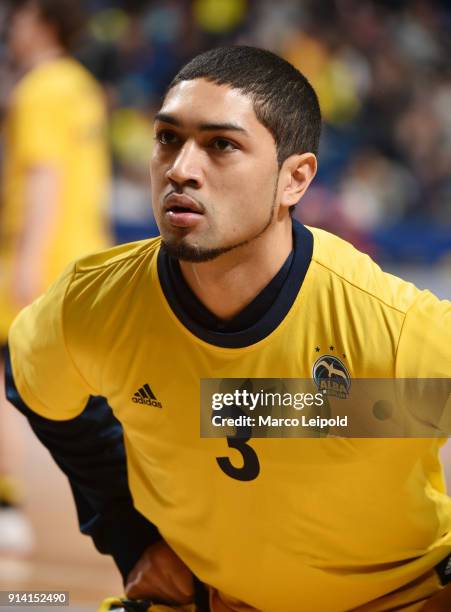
[144,395]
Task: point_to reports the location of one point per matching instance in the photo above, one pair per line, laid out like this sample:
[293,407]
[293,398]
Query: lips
[181,203]
[182,211]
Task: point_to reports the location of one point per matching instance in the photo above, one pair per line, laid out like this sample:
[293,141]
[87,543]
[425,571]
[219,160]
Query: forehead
[200,101]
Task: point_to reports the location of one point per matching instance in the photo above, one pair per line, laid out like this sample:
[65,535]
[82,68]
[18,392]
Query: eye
[166,137]
[223,145]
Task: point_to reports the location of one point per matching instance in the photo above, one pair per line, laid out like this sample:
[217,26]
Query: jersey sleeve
[90,450]
[424,361]
[45,374]
[39,132]
[424,349]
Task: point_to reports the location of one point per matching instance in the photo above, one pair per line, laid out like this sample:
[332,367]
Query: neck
[228,283]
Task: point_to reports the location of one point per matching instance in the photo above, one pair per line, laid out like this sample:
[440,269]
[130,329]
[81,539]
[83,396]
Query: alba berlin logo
[330,374]
[144,395]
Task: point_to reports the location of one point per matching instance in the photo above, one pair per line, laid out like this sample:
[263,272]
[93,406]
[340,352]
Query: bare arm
[42,191]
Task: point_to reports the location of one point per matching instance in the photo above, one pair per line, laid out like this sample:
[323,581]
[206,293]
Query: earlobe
[301,170]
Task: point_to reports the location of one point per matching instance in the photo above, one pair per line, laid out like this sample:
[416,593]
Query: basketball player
[235,289]
[53,191]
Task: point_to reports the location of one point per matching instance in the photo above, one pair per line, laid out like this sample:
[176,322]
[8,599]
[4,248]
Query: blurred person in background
[53,193]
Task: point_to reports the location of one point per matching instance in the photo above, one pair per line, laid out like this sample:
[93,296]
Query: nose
[186,167]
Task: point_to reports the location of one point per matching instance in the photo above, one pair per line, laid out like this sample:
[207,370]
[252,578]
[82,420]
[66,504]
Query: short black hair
[283,99]
[68,17]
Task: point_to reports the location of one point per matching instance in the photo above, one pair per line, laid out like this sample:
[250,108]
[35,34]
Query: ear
[295,176]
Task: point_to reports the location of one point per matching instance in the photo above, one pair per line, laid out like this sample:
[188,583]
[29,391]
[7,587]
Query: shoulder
[108,279]
[115,263]
[91,280]
[357,274]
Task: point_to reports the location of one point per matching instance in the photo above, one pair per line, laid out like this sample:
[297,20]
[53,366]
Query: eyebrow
[204,127]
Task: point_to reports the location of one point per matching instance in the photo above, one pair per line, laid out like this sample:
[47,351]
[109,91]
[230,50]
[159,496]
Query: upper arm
[424,362]
[424,349]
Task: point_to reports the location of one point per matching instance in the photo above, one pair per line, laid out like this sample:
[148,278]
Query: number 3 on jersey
[251,465]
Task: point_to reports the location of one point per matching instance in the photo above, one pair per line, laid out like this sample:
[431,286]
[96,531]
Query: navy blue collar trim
[276,298]
[251,313]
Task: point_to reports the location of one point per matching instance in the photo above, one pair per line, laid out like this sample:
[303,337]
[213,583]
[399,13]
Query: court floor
[63,559]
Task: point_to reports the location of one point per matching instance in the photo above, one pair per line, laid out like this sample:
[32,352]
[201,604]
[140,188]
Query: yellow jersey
[56,117]
[328,524]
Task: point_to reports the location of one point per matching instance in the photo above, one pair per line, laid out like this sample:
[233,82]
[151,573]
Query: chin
[183,251]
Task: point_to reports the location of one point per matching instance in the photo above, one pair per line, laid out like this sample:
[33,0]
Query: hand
[440,602]
[160,574]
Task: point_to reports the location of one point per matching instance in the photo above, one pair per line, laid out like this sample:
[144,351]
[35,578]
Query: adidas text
[146,400]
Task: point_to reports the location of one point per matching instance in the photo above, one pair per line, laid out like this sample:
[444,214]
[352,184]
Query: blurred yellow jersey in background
[56,118]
